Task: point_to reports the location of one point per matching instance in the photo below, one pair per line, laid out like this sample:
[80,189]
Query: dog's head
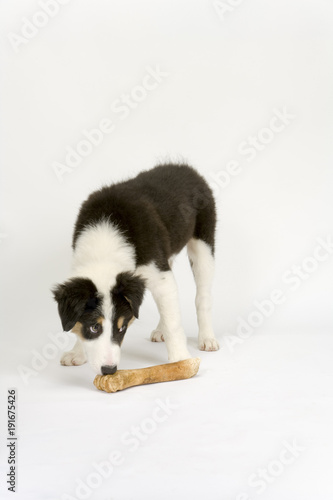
[100,320]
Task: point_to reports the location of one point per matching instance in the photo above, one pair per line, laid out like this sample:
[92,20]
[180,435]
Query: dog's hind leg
[202,263]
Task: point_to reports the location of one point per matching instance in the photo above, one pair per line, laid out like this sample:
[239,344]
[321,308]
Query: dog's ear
[130,288]
[74,297]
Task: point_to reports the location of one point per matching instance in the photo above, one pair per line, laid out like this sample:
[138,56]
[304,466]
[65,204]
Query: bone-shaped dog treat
[123,379]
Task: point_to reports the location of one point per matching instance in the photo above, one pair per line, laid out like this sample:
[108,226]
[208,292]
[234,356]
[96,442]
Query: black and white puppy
[125,238]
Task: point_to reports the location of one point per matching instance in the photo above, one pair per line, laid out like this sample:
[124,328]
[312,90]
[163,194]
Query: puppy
[124,241]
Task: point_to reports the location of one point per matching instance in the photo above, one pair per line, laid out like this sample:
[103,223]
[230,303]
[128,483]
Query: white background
[226,74]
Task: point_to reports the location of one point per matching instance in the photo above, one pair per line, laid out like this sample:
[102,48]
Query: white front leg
[163,287]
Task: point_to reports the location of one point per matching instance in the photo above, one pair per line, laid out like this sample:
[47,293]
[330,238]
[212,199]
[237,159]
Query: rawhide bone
[123,379]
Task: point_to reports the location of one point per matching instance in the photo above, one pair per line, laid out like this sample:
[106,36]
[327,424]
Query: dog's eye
[94,328]
[122,329]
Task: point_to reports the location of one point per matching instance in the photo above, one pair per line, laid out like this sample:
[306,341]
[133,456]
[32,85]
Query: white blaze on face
[102,351]
[101,253]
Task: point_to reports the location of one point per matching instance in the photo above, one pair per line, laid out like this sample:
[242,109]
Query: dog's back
[158,211]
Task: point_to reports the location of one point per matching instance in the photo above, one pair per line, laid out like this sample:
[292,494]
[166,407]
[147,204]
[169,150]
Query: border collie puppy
[125,238]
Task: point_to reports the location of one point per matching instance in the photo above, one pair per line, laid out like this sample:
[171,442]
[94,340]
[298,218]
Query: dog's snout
[108,369]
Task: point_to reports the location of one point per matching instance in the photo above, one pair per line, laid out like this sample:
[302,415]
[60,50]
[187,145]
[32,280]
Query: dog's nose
[109,370]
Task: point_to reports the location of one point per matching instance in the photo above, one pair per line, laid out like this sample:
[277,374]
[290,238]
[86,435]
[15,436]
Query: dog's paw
[73,358]
[179,356]
[209,344]
[157,336]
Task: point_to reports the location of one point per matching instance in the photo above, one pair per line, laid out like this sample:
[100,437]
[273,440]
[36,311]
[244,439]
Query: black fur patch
[158,212]
[78,300]
[126,296]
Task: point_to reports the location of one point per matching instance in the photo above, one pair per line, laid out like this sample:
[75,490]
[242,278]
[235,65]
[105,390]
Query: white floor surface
[255,423]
